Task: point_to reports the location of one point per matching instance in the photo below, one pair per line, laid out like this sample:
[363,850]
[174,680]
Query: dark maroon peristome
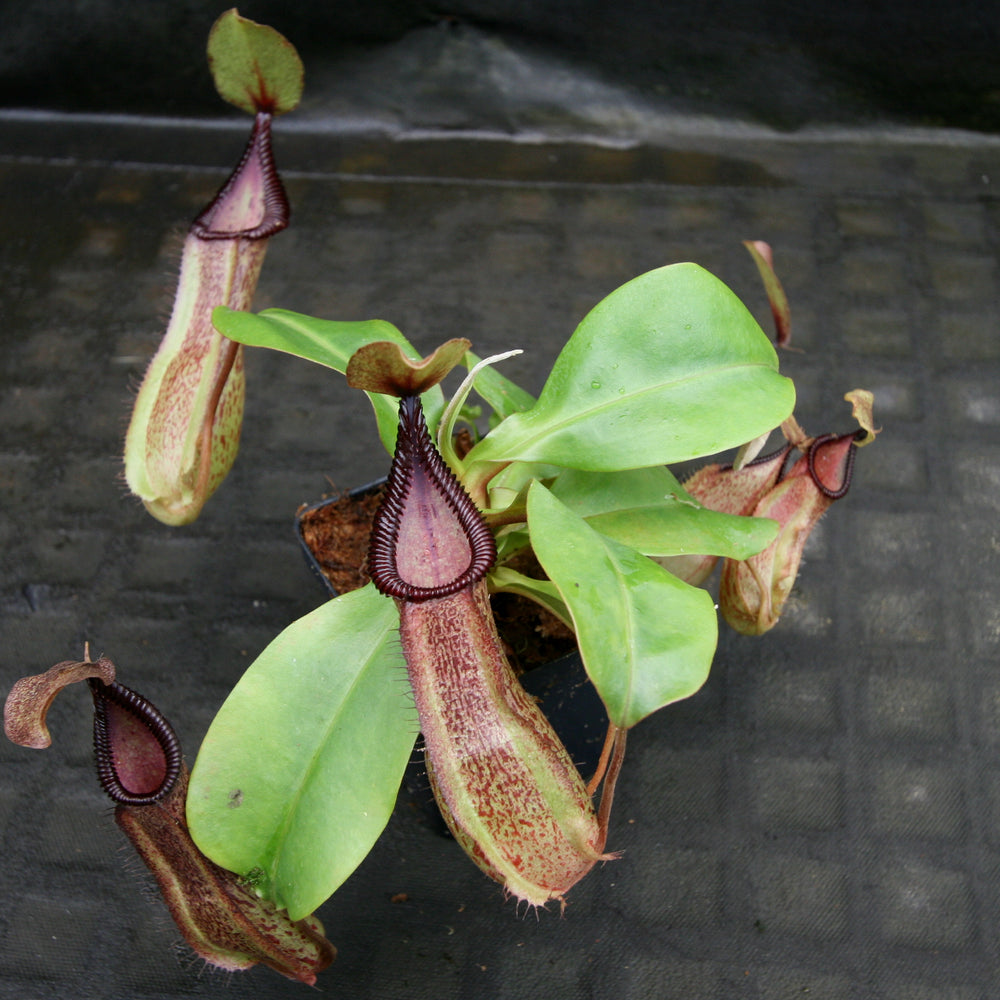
[137,752]
[827,454]
[837,452]
[257,158]
[771,456]
[415,450]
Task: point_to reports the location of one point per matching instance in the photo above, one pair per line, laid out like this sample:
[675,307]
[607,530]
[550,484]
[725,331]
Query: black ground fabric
[821,820]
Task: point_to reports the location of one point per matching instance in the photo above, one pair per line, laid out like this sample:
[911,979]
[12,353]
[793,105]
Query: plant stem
[610,780]
[602,764]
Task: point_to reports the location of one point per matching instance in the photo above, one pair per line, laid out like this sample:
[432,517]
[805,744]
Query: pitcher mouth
[469,544]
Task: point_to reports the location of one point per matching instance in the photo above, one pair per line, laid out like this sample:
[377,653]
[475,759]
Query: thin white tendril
[450,415]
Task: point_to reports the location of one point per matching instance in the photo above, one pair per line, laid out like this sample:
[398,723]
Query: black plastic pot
[311,560]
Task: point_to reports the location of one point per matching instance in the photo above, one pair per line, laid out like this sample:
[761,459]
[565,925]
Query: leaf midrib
[550,428]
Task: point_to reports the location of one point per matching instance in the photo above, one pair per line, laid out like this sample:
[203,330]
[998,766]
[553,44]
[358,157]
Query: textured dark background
[782,62]
[823,818]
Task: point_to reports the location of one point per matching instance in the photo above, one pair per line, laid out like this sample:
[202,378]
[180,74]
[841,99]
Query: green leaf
[510,541]
[299,771]
[543,592]
[669,367]
[328,343]
[590,493]
[675,529]
[324,341]
[511,483]
[648,510]
[646,638]
[253,66]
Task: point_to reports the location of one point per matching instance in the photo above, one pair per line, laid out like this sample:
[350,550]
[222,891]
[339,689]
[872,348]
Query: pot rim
[308,508]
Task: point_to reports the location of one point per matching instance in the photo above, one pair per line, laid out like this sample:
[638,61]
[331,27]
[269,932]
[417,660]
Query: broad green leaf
[324,341]
[590,493]
[669,367]
[646,638]
[253,66]
[649,511]
[676,529]
[299,771]
[328,343]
